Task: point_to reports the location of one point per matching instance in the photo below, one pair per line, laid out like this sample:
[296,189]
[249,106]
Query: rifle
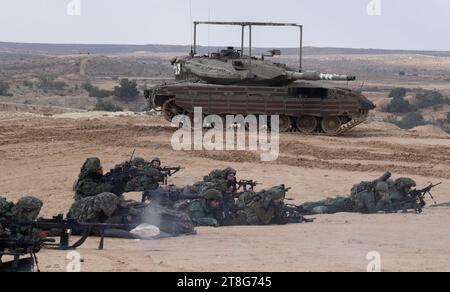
[292,212]
[62,227]
[247,184]
[169,171]
[12,245]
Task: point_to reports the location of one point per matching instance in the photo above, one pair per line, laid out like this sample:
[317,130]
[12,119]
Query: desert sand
[42,155]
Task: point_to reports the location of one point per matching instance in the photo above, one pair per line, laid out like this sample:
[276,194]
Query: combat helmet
[27,209]
[381,187]
[278,192]
[138,162]
[213,194]
[91,166]
[404,182]
[156,159]
[227,171]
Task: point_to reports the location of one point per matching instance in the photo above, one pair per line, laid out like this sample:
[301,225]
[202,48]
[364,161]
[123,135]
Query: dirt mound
[380,126]
[430,130]
[95,114]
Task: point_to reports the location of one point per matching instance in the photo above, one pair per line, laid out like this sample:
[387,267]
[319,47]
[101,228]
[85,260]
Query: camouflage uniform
[399,194]
[259,208]
[27,209]
[362,202]
[90,183]
[328,206]
[200,212]
[148,181]
[5,207]
[156,159]
[94,209]
[167,220]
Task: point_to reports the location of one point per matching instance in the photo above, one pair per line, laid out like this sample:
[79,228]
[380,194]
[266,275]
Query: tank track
[356,121]
[169,110]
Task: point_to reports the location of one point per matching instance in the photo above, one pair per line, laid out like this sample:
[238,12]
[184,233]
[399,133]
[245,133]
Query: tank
[229,82]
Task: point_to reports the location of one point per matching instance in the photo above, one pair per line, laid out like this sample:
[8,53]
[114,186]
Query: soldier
[401,188]
[221,180]
[94,209]
[203,212]
[373,202]
[139,162]
[363,202]
[148,178]
[328,206]
[262,208]
[5,207]
[27,209]
[156,163]
[230,177]
[91,180]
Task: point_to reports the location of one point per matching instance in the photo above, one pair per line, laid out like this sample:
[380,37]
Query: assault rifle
[169,171]
[247,184]
[62,227]
[293,214]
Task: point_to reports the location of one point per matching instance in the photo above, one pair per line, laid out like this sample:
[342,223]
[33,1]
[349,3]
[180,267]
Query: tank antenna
[190,25]
[362,86]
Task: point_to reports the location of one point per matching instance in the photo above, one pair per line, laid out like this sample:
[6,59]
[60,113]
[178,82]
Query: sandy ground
[42,156]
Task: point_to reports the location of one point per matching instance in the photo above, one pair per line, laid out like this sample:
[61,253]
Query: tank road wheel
[285,123]
[306,124]
[331,125]
[170,109]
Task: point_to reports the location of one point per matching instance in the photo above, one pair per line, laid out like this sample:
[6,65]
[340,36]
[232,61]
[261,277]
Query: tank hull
[304,107]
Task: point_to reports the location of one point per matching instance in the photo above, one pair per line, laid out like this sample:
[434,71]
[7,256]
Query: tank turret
[235,82]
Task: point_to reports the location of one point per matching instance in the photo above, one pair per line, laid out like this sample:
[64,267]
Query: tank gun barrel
[315,76]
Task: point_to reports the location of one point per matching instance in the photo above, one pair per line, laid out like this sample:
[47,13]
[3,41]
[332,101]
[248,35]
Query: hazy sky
[403,24]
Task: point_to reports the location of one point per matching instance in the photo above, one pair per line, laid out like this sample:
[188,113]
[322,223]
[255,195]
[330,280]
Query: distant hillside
[26,48]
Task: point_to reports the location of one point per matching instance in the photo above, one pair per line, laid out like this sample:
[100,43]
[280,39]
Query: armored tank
[229,82]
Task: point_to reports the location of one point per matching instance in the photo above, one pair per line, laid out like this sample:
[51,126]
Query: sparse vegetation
[398,92]
[430,98]
[448,117]
[107,106]
[28,83]
[94,91]
[400,105]
[127,90]
[48,82]
[409,121]
[4,88]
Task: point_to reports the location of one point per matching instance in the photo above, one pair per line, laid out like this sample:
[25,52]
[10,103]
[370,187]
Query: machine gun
[62,227]
[370,186]
[20,246]
[169,171]
[121,174]
[418,196]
